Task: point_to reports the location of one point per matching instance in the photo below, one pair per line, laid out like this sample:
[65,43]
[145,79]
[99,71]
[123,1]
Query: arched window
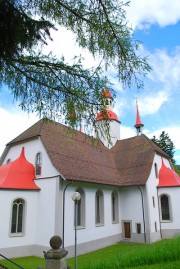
[156,170]
[38,164]
[165,207]
[99,208]
[114,203]
[17,216]
[81,209]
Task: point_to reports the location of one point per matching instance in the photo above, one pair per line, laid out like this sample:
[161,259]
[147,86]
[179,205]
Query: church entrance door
[127,230]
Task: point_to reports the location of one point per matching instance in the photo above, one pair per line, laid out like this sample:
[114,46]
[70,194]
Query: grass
[161,255]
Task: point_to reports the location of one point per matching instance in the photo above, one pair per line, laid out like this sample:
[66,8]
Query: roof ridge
[32,131]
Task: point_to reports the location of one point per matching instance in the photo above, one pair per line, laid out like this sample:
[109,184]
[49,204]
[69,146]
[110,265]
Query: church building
[129,190]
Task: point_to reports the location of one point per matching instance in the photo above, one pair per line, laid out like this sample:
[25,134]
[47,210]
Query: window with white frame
[81,209]
[99,208]
[165,207]
[17,219]
[38,163]
[114,203]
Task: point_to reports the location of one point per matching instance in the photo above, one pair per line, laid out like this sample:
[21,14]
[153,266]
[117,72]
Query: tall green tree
[166,144]
[50,86]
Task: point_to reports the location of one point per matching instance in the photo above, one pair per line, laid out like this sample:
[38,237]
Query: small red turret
[138,125]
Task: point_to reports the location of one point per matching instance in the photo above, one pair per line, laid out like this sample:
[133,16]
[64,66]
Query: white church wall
[45,221]
[152,201]
[170,228]
[8,241]
[91,236]
[132,211]
[46,210]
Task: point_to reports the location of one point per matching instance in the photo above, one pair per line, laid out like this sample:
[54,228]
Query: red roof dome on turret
[168,177]
[106,93]
[107,115]
[18,174]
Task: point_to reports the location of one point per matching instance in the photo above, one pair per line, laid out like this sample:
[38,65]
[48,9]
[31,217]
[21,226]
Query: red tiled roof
[18,174]
[107,115]
[168,177]
[82,158]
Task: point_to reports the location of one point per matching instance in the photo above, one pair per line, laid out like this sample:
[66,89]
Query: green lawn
[161,255]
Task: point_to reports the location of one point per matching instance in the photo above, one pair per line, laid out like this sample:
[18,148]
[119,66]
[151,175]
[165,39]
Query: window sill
[166,221]
[80,227]
[115,222]
[99,224]
[16,235]
[38,176]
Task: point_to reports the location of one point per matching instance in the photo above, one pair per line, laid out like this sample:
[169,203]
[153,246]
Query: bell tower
[108,117]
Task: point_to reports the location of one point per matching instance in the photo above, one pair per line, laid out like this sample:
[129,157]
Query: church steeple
[138,125]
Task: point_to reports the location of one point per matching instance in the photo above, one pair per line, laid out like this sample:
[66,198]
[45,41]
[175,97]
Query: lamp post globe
[76,196]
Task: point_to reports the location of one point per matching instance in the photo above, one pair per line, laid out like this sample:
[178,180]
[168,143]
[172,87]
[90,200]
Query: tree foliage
[51,86]
[166,144]
[177,169]
[19,31]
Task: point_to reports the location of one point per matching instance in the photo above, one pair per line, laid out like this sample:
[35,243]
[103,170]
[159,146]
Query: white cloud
[141,13]
[166,67]
[161,85]
[64,44]
[152,104]
[14,122]
[127,132]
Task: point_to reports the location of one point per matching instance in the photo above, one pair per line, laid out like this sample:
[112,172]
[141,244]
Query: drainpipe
[159,214]
[64,192]
[142,200]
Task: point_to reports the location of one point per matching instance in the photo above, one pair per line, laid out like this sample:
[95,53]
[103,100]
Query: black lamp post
[75,197]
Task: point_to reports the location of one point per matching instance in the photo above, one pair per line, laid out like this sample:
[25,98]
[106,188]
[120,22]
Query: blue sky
[157,24]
